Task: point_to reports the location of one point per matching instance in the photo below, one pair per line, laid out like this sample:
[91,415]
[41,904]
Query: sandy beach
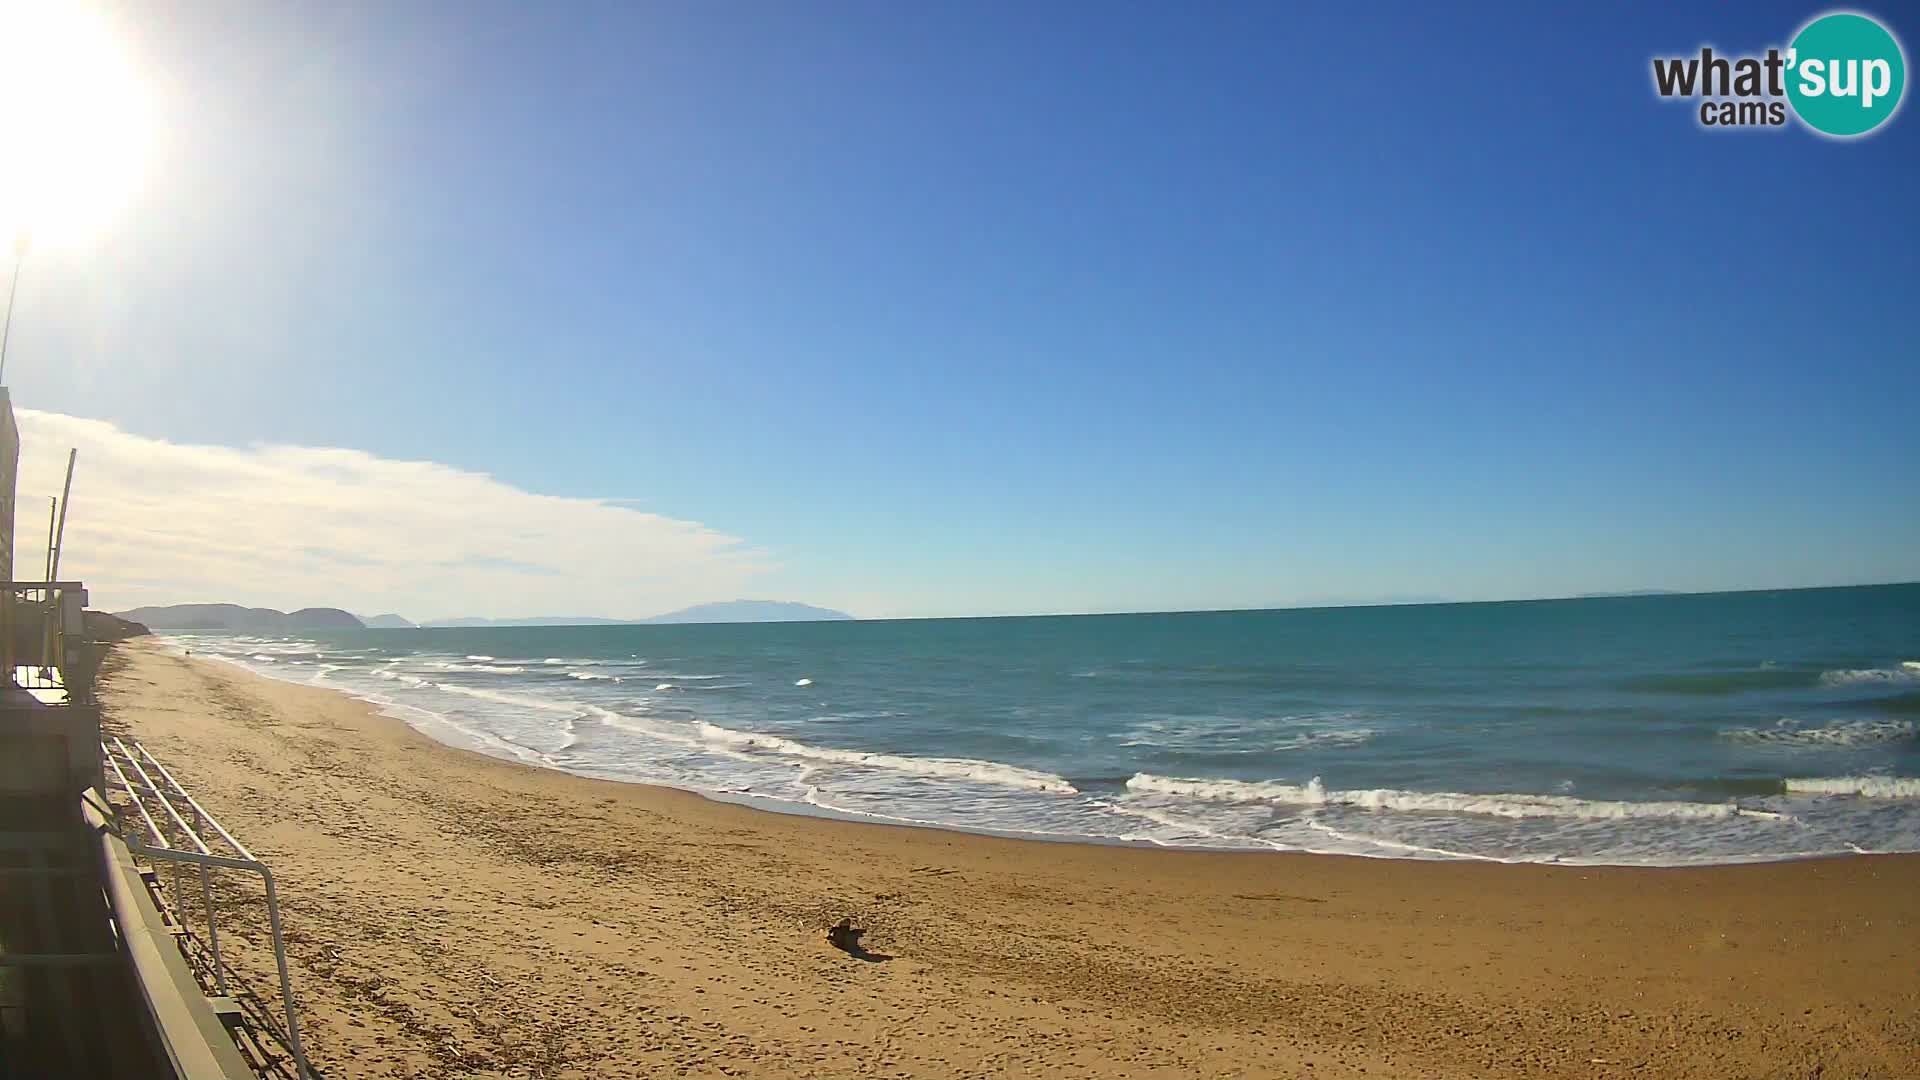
[452,915]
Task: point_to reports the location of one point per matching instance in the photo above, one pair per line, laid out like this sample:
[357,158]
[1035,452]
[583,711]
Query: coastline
[454,913]
[1733,797]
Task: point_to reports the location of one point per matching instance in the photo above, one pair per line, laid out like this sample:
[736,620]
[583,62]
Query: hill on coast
[235,617]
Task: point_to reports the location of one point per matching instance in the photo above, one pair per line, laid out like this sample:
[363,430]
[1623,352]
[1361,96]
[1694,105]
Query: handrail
[205,858]
[206,879]
[191,1036]
[137,804]
[197,808]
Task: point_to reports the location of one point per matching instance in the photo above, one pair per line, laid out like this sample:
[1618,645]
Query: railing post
[213,927]
[207,861]
[286,983]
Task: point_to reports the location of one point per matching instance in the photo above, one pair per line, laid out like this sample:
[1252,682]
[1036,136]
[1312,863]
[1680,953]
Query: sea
[1646,730]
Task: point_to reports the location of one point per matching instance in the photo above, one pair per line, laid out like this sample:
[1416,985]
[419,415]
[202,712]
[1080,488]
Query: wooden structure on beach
[97,972]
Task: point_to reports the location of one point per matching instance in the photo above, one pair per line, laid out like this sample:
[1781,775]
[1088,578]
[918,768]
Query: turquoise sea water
[1657,730]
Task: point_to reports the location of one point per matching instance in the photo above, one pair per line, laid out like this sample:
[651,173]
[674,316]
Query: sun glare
[75,124]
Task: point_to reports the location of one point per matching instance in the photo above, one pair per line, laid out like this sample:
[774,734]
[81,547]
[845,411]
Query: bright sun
[75,124]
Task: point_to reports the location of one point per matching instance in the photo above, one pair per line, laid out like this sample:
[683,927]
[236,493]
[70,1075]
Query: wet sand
[452,915]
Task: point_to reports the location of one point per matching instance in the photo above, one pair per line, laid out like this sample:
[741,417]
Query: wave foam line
[1314,793]
[486,741]
[985,772]
[1308,740]
[1870,787]
[1788,732]
[512,699]
[1908,671]
[678,734]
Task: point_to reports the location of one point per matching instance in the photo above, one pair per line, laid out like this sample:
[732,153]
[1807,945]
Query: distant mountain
[387,622]
[729,611]
[735,611]
[531,620]
[235,617]
[1629,592]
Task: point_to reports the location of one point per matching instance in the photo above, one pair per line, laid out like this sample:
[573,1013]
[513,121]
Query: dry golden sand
[451,915]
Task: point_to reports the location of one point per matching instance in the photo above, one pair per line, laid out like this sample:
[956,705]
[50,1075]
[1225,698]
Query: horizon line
[1633,594]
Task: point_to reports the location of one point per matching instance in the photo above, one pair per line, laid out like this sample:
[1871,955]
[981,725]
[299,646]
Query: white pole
[66,496]
[6,335]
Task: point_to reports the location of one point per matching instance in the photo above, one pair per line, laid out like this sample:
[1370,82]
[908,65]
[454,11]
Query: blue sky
[972,308]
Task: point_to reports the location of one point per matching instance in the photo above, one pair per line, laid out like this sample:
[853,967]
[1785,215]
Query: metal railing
[173,824]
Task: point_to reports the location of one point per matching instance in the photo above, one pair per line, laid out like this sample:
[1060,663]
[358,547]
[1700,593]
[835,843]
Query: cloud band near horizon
[160,522]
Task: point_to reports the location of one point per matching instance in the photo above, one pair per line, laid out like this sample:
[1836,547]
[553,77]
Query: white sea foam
[985,772]
[515,700]
[1302,741]
[482,740]
[554,660]
[680,734]
[1789,732]
[1871,787]
[1314,793]
[1908,671]
[531,720]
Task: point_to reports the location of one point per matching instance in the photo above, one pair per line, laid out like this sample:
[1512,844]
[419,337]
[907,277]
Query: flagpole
[6,334]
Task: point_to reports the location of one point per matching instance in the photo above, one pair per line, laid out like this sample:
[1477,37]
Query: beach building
[99,974]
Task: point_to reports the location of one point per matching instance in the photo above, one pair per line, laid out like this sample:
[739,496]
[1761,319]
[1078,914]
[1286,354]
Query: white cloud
[156,522]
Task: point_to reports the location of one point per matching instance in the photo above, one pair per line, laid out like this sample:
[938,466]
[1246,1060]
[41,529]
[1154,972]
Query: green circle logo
[1846,74]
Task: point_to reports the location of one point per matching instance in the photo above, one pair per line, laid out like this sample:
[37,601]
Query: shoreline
[453,913]
[460,738]
[768,804]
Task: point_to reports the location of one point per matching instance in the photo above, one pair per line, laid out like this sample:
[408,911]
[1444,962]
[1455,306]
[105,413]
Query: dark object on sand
[845,936]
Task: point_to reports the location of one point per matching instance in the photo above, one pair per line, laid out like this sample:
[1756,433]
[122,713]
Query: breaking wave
[985,772]
[516,700]
[1314,793]
[1788,732]
[1907,672]
[1870,787]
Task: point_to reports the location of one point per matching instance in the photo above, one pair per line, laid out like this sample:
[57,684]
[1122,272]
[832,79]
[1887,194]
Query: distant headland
[235,617]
